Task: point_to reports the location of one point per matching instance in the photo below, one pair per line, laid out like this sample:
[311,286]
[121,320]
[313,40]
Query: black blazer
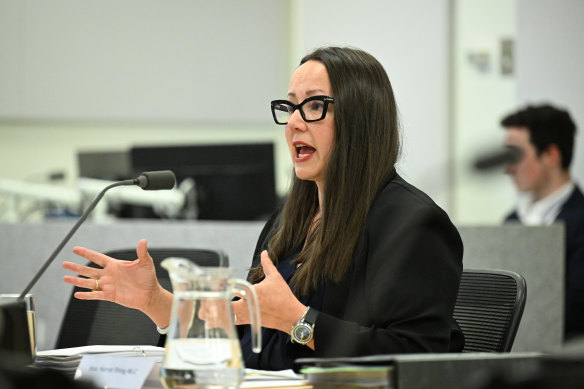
[572,215]
[399,294]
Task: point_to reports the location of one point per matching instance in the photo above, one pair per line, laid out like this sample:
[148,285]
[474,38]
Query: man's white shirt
[543,211]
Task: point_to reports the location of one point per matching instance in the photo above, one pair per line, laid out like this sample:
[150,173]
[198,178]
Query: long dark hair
[365,150]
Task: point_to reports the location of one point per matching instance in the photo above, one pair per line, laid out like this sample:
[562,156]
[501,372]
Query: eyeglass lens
[311,109]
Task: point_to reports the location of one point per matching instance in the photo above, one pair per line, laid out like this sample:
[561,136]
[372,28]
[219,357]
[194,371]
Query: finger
[96,295]
[86,283]
[267,264]
[142,251]
[202,313]
[240,311]
[93,256]
[86,271]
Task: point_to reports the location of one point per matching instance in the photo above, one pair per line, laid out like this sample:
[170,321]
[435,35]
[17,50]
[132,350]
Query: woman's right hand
[129,283]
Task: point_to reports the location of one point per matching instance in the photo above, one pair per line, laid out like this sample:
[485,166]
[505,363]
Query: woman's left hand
[279,308]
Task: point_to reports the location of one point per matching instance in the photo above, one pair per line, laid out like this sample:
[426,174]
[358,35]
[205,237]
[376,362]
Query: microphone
[156,180]
[497,158]
[163,179]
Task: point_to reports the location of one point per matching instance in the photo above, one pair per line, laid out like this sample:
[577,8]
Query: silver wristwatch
[303,330]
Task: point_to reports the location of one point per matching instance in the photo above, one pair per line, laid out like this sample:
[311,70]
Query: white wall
[410,39]
[145,60]
[550,54]
[482,95]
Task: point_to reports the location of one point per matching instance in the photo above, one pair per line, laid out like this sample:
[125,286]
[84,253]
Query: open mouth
[303,151]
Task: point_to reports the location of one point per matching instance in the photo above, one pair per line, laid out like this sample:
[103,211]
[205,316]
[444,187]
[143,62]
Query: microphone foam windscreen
[163,179]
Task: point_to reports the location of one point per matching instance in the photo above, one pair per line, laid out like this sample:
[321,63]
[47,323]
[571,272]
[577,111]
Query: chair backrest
[489,307]
[105,323]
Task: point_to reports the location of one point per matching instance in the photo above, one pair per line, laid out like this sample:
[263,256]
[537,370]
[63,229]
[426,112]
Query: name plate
[115,371]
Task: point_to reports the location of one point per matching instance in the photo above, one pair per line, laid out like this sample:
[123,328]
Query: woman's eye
[315,106]
[283,108]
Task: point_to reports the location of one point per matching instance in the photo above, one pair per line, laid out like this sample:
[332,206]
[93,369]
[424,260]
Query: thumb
[142,250]
[267,264]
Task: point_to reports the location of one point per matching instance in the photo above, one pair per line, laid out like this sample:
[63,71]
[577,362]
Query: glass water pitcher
[202,346]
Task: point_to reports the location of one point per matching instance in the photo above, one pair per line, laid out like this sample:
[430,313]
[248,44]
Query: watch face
[302,333]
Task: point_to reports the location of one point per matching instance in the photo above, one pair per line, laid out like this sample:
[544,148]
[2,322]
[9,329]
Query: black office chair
[105,323]
[489,307]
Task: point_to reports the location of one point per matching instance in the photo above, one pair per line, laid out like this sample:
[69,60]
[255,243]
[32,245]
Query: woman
[356,261]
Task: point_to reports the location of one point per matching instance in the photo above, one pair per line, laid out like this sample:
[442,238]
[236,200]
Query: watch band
[310,315]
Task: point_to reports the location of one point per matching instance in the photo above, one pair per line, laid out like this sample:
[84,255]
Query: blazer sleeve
[402,289]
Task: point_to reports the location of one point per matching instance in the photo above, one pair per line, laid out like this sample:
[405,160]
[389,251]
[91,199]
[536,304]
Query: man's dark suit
[572,215]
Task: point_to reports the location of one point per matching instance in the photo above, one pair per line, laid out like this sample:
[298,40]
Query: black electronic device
[104,165]
[14,336]
[232,181]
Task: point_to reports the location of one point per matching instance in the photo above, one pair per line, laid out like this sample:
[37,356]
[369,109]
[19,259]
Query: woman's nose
[296,122]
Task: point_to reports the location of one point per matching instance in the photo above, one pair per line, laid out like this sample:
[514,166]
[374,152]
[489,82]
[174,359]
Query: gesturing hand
[279,308]
[129,283]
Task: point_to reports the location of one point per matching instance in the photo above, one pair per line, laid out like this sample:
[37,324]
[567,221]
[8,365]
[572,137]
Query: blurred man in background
[543,138]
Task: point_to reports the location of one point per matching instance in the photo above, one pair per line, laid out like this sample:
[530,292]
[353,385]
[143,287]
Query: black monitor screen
[233,181]
[104,165]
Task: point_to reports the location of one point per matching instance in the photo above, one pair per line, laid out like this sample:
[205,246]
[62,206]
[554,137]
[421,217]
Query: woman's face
[310,144]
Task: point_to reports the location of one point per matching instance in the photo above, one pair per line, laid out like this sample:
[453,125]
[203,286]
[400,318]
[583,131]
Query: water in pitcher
[198,364]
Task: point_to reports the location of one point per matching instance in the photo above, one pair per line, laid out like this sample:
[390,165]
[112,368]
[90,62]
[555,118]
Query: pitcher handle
[246,289]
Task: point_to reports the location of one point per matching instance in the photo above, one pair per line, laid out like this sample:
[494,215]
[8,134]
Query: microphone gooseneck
[147,181]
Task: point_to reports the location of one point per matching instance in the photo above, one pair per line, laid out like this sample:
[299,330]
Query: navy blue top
[276,344]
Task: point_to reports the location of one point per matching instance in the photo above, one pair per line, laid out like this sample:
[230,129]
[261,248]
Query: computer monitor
[232,181]
[104,165]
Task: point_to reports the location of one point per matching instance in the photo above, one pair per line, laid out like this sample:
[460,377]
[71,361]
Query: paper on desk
[105,349]
[253,374]
[272,379]
[67,359]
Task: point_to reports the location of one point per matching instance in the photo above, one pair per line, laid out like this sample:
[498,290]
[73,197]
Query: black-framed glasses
[311,109]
